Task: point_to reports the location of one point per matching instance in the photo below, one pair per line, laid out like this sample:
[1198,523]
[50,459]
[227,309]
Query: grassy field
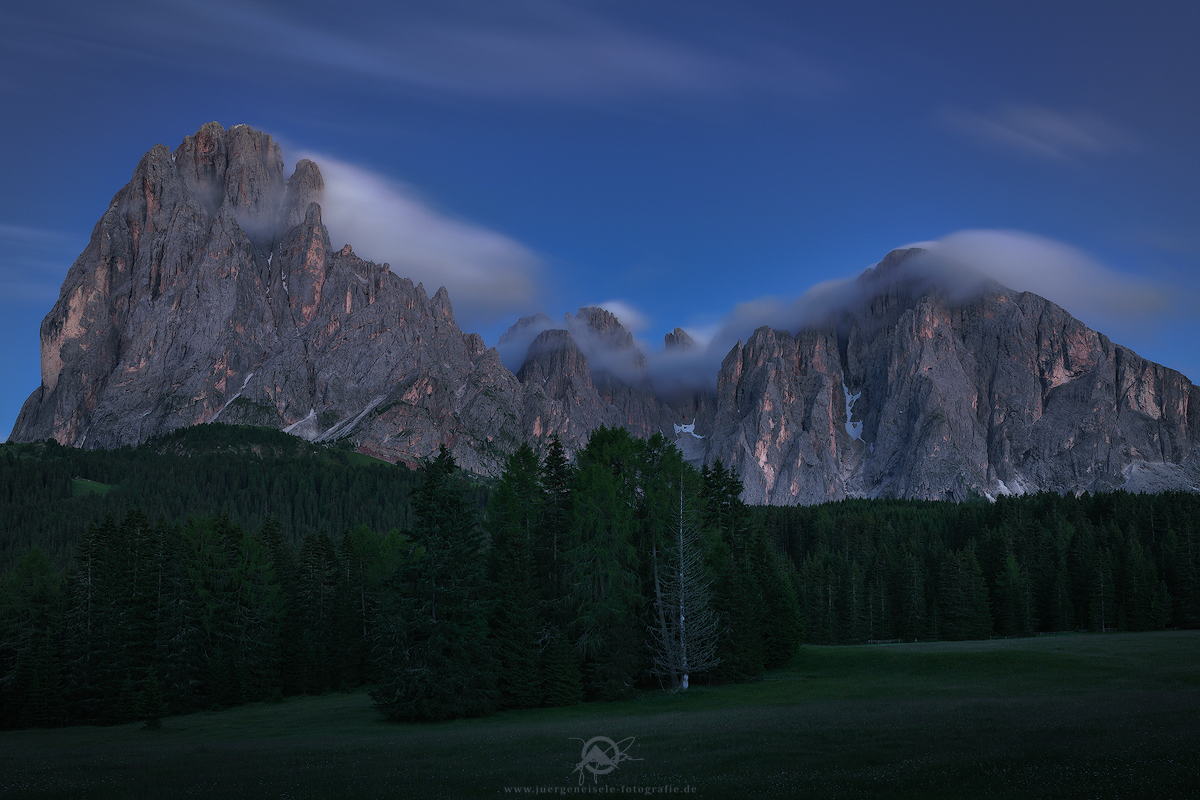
[1114,715]
[82,486]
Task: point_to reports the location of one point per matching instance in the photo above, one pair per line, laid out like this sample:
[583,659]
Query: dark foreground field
[1114,715]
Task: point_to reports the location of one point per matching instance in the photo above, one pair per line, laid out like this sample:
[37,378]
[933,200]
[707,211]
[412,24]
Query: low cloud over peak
[489,275]
[1097,294]
[960,265]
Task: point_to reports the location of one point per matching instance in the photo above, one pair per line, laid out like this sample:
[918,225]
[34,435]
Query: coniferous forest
[878,570]
[563,581]
[223,565]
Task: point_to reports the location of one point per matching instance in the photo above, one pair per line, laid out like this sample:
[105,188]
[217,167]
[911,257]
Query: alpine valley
[210,291]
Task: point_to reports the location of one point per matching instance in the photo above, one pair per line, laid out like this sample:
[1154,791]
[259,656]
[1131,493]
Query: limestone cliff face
[210,291]
[915,395]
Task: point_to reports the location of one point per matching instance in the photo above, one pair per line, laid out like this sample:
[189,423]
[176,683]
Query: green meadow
[81,487]
[1075,715]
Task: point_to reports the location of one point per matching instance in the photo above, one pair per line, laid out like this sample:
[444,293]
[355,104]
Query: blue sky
[679,161]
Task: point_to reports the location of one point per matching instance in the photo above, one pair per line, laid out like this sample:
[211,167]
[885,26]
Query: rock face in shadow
[210,291]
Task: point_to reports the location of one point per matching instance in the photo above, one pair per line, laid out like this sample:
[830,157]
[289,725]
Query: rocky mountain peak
[210,290]
[304,187]
[678,338]
[604,324]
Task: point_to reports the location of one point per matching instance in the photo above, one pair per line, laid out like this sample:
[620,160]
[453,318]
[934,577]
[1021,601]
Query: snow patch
[690,428]
[855,429]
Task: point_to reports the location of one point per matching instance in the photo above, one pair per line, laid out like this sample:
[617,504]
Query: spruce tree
[317,598]
[30,667]
[151,707]
[514,522]
[602,566]
[433,652]
[562,683]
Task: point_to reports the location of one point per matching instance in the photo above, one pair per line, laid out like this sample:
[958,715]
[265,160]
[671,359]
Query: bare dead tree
[686,637]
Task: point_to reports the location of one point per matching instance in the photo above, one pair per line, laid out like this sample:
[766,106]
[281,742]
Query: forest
[621,571]
[49,493]
[223,565]
[884,570]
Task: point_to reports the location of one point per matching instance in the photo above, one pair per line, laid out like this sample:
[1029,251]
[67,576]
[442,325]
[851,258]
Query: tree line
[618,572]
[251,474]
[898,569]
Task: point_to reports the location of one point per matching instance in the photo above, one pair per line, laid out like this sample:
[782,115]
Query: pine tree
[602,566]
[562,683]
[1014,603]
[362,559]
[89,613]
[151,707]
[912,598]
[286,572]
[550,549]
[962,598]
[1103,596]
[780,619]
[317,599]
[30,666]
[737,598]
[433,652]
[514,521]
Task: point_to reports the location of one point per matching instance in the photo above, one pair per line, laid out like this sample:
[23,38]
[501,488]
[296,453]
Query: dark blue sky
[670,159]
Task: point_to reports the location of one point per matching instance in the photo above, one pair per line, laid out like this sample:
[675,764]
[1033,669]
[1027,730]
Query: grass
[1058,716]
[364,460]
[82,486]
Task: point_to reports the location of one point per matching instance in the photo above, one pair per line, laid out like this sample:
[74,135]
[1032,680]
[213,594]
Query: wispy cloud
[489,275]
[1040,132]
[519,49]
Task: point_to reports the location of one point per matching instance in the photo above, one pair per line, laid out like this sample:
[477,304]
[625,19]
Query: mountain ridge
[210,291]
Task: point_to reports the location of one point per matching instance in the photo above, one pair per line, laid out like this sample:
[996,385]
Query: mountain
[911,393]
[210,291]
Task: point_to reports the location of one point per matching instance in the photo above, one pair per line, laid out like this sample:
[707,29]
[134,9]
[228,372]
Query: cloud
[1096,294]
[631,319]
[525,49]
[1041,132]
[519,49]
[489,275]
[960,265]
